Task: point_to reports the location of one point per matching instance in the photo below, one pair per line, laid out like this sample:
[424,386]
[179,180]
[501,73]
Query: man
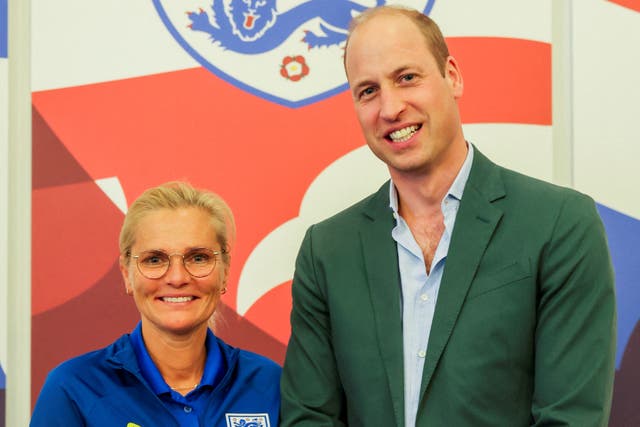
[461,293]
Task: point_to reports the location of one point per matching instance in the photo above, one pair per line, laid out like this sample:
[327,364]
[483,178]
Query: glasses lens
[200,262]
[153,264]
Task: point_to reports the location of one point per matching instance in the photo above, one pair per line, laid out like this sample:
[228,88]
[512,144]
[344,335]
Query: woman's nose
[177,274]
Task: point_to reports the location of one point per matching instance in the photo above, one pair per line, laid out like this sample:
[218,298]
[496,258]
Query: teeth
[176,299]
[402,135]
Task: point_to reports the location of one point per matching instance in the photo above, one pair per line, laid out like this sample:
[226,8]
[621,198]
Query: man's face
[407,109]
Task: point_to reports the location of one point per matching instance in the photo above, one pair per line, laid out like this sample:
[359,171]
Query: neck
[420,193]
[180,359]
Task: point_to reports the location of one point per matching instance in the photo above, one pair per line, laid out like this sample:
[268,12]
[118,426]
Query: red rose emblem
[294,68]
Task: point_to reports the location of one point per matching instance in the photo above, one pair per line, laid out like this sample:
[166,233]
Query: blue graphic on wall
[291,55]
[3,386]
[623,232]
[4,28]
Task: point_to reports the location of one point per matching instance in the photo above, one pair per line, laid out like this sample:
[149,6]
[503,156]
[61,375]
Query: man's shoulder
[519,185]
[368,207]
[539,203]
[544,191]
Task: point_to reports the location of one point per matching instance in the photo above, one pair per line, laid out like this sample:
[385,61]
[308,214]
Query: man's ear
[454,77]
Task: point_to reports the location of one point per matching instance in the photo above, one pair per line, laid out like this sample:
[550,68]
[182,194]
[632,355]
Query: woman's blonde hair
[176,195]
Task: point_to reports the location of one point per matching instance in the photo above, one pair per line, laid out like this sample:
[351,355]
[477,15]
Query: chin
[180,325]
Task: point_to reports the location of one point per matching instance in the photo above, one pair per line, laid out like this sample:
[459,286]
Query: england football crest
[289,52]
[247,420]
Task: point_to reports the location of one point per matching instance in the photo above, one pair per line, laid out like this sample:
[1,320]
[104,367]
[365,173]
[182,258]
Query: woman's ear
[124,270]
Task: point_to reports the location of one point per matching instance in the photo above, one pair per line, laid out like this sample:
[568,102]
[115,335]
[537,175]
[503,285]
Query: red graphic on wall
[631,4]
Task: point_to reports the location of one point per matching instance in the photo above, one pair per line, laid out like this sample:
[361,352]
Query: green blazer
[524,325]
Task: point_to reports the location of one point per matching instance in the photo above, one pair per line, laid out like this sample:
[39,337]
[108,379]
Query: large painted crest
[286,51]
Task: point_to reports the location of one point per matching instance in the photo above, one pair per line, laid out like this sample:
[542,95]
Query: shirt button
[187,409]
[424,297]
[422,353]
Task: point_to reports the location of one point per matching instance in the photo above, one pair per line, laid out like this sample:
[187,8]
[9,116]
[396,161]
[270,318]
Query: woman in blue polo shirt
[171,370]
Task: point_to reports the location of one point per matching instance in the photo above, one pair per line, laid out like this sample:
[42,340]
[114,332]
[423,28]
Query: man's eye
[367,92]
[408,77]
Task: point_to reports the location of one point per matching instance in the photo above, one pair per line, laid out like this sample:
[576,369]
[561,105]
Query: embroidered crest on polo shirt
[248,420]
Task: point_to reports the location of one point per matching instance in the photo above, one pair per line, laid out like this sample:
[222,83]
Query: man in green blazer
[460,293]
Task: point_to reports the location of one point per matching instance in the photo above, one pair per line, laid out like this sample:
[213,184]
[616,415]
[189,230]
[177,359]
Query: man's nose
[391,104]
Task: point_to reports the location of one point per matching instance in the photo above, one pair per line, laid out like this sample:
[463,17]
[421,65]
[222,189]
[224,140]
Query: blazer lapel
[381,264]
[475,223]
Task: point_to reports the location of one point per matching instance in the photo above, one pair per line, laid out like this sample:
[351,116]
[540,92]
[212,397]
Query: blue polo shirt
[186,409]
[106,388]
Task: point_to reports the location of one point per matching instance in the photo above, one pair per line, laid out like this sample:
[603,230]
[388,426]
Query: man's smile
[404,134]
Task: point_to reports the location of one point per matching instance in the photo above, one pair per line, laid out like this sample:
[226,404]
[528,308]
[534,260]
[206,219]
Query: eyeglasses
[198,262]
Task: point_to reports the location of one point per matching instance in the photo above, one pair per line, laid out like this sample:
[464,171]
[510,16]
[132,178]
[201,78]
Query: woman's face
[176,303]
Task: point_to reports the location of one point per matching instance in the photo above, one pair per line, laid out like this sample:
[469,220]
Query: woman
[171,370]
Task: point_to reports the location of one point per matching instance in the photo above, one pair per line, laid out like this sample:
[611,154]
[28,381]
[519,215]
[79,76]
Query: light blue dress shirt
[419,289]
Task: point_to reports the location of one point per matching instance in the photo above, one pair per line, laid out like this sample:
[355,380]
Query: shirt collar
[456,189]
[213,368]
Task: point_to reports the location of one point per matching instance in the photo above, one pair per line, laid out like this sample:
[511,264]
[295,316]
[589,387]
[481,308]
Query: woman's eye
[154,259]
[408,77]
[198,258]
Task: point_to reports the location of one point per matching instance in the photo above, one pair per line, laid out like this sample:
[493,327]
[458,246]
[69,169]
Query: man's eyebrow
[363,83]
[401,70]
[393,74]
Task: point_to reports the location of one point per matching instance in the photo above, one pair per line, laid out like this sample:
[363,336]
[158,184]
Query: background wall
[606,91]
[4,182]
[15,237]
[127,95]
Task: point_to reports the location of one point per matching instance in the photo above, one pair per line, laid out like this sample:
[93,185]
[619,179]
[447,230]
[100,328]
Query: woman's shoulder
[88,363]
[252,372]
[248,360]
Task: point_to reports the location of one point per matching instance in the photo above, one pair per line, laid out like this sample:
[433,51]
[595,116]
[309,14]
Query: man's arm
[310,386]
[576,332]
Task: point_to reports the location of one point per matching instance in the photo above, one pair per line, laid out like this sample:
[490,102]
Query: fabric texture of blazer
[524,326]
